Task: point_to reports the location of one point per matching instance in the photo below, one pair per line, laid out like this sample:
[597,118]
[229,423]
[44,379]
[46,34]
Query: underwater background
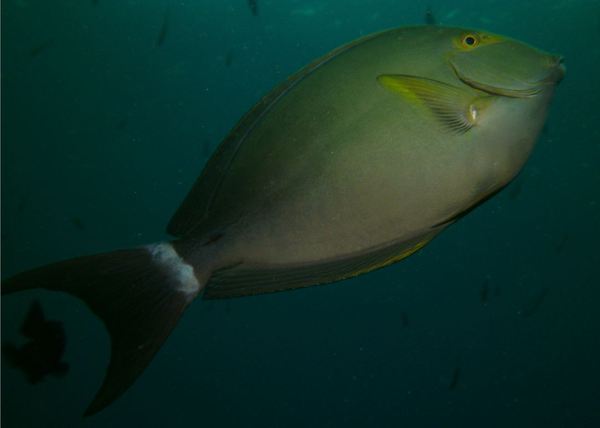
[110,110]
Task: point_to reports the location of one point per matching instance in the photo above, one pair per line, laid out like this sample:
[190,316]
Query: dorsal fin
[196,205]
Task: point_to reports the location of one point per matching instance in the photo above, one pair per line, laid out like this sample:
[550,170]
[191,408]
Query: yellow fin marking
[454,108]
[393,259]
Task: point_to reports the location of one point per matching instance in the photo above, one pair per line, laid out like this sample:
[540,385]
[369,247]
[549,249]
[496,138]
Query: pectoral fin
[456,109]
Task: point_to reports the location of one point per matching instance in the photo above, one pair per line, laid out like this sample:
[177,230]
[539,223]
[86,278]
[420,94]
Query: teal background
[104,132]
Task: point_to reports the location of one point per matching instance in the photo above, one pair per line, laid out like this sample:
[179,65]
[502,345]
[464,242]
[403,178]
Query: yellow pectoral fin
[456,109]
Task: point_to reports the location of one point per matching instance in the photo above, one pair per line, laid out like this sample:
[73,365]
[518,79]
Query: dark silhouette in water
[42,355]
[404,319]
[37,50]
[164,29]
[484,293]
[78,223]
[429,17]
[533,304]
[454,379]
[122,124]
[253,5]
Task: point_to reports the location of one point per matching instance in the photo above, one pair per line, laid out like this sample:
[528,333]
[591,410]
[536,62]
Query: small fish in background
[37,50]
[404,320]
[78,223]
[561,244]
[253,5]
[429,17]
[484,292]
[164,29]
[515,190]
[122,124]
[532,305]
[455,379]
[42,355]
[229,58]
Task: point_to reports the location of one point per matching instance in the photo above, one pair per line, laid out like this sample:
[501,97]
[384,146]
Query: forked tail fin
[139,294]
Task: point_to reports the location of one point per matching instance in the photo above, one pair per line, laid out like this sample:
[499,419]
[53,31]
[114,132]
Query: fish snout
[556,63]
[562,69]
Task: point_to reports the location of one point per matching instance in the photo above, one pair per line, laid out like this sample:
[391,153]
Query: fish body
[353,163]
[342,166]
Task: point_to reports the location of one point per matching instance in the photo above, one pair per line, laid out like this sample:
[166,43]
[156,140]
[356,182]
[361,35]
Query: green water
[110,110]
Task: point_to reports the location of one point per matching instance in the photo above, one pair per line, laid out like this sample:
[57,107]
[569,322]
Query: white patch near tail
[183,275]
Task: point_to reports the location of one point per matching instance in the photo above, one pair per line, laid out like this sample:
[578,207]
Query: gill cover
[501,66]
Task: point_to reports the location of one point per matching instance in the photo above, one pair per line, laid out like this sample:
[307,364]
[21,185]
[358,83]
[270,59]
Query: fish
[429,17]
[534,302]
[404,319]
[484,293]
[122,124]
[454,379]
[253,5]
[78,223]
[164,29]
[42,354]
[312,187]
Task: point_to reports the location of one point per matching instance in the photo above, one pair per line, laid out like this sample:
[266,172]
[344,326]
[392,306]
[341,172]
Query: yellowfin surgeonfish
[353,163]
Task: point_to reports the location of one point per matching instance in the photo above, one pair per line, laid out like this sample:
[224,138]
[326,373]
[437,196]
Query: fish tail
[139,294]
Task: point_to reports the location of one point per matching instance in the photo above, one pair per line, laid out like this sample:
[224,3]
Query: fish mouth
[520,89]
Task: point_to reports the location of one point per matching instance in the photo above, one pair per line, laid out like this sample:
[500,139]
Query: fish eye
[470,40]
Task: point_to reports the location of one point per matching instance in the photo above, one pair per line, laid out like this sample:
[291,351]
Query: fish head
[502,66]
[514,83]
[482,98]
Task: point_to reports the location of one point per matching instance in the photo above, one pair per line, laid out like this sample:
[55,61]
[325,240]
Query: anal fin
[243,280]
